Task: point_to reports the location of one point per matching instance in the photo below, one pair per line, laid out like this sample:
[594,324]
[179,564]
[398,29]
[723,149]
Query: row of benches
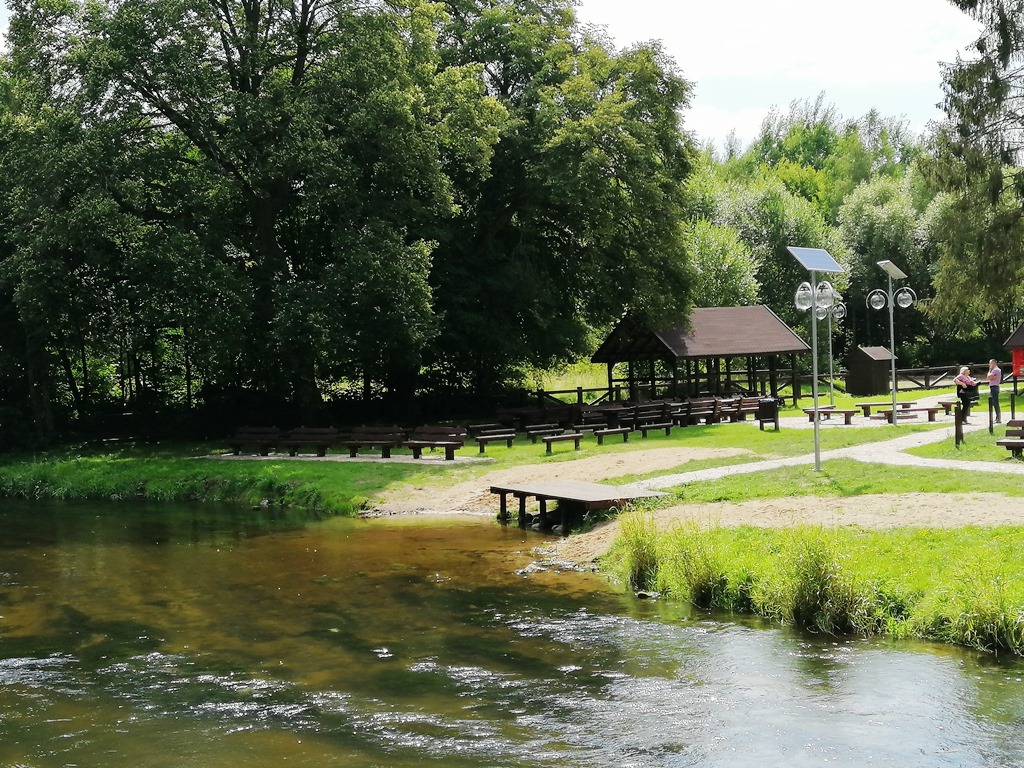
[680,412]
[263,440]
[320,440]
[884,409]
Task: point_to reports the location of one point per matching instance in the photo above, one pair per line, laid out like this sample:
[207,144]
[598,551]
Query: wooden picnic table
[866,407]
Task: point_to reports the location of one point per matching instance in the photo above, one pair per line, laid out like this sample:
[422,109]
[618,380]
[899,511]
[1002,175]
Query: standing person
[965,385]
[995,378]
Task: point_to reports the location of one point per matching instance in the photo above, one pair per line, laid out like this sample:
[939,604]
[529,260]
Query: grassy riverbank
[197,472]
[961,585]
[186,473]
[958,585]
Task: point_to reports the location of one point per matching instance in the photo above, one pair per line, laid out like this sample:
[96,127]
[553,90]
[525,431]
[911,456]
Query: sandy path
[473,496]
[870,511]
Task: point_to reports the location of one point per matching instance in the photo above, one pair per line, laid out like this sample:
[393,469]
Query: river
[152,636]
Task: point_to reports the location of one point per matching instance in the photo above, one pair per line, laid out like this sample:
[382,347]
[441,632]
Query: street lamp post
[836,309]
[878,299]
[808,296]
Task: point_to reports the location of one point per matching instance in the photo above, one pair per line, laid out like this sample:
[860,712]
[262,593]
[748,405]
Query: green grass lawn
[178,471]
[962,586]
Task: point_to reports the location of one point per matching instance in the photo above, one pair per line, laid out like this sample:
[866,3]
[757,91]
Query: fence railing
[907,379]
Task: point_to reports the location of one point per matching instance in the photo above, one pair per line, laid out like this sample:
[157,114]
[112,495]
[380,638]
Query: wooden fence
[907,379]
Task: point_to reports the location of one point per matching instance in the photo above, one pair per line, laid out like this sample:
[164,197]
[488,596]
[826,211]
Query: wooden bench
[533,431]
[948,406]
[931,410]
[652,413]
[445,436]
[384,438]
[1013,441]
[645,428]
[588,419]
[321,439]
[262,439]
[1015,445]
[601,434]
[866,407]
[825,412]
[508,437]
[483,429]
[706,409]
[549,439]
[741,408]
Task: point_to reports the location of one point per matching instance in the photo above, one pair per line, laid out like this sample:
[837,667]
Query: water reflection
[218,638]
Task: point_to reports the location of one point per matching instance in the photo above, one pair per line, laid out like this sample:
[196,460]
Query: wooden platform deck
[574,497]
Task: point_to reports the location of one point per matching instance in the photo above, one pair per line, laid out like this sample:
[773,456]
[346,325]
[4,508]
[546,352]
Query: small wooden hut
[868,371]
[702,358]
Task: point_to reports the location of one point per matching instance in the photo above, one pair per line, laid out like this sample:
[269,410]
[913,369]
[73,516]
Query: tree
[977,159]
[769,219]
[878,222]
[821,157]
[293,153]
[985,96]
[722,265]
[576,222]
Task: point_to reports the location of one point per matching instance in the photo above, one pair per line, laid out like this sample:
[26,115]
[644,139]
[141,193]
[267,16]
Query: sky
[747,56]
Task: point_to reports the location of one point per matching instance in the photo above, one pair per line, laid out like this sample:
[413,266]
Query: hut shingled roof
[1016,340]
[876,353]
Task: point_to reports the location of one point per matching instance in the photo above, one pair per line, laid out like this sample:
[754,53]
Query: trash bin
[768,410]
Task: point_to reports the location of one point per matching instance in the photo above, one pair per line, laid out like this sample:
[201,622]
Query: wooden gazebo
[701,358]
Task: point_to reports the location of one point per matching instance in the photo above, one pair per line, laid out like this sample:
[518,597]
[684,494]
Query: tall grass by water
[961,585]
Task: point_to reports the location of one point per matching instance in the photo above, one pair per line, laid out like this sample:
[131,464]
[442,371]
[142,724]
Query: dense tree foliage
[977,160]
[209,202]
[288,199]
[577,217]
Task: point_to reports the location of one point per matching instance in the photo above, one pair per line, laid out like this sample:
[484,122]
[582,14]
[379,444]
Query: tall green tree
[878,222]
[821,156]
[977,159]
[295,151]
[769,218]
[576,221]
[723,268]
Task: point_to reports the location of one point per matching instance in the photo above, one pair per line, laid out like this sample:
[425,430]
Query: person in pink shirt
[995,378]
[966,387]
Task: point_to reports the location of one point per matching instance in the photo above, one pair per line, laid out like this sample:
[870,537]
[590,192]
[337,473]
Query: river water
[178,636]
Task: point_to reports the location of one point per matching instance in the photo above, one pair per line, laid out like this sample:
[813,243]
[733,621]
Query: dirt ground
[872,511]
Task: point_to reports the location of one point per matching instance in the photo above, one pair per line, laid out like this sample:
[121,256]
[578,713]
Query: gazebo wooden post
[675,377]
[728,372]
[654,381]
[631,380]
[611,382]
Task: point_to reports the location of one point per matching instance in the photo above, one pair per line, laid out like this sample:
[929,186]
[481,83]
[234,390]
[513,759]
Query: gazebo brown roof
[715,332]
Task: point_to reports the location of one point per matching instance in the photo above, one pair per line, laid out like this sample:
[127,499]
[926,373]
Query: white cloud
[748,55]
